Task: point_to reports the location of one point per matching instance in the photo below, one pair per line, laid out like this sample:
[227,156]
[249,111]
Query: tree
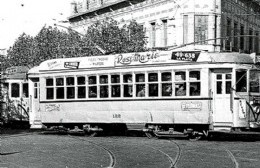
[20,53]
[52,43]
[109,36]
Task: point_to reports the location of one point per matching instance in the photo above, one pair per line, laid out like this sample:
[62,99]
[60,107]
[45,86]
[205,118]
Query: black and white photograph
[129,83]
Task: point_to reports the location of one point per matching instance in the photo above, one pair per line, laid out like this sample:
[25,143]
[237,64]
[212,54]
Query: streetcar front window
[241,81]
[15,90]
[254,81]
[25,90]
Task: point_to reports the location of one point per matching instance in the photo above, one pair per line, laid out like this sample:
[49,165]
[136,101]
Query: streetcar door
[221,85]
[35,118]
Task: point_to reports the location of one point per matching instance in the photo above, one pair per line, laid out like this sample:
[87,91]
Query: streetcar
[161,93]
[15,96]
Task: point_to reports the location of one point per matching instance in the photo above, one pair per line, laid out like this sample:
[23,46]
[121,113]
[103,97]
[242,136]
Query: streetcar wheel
[150,135]
[91,134]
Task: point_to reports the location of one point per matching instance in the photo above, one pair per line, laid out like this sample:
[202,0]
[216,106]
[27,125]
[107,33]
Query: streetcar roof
[143,58]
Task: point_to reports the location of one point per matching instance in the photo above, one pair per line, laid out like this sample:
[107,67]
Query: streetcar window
[82,92]
[152,77]
[59,81]
[139,78]
[241,80]
[70,92]
[115,78]
[153,90]
[49,82]
[194,88]
[128,87]
[228,87]
[49,89]
[180,76]
[103,79]
[81,89]
[128,90]
[228,78]
[254,81]
[219,87]
[60,93]
[140,88]
[127,78]
[92,80]
[70,80]
[81,80]
[15,90]
[180,89]
[115,88]
[153,87]
[194,77]
[166,89]
[92,92]
[166,76]
[35,90]
[103,91]
[49,93]
[25,90]
[115,91]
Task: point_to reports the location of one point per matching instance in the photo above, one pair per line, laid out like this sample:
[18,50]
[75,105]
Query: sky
[29,16]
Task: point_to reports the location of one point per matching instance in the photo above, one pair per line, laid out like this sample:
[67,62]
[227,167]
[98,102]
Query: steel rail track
[110,153]
[236,164]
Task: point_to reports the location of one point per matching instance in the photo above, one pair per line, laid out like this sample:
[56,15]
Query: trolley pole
[95,45]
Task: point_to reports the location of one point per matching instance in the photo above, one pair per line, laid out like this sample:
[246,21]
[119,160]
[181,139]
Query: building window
[250,41]
[185,29]
[164,33]
[241,37]
[153,34]
[201,29]
[228,33]
[235,36]
[256,42]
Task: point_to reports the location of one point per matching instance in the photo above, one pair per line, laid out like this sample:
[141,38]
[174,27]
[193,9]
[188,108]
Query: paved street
[36,150]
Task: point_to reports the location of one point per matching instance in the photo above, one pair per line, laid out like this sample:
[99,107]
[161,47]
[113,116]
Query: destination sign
[185,55]
[142,58]
[72,65]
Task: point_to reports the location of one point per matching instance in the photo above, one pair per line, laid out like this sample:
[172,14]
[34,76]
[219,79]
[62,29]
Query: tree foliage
[52,43]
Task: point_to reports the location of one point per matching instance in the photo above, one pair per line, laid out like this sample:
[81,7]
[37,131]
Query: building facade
[212,25]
